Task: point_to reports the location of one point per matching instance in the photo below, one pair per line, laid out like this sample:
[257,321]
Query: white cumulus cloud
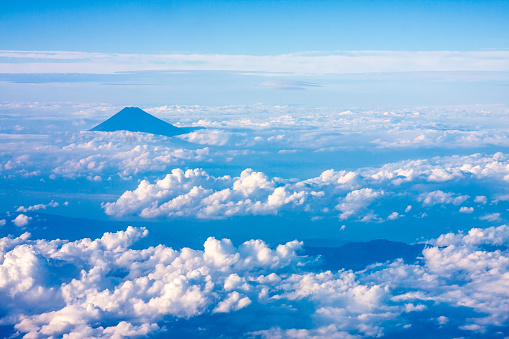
[21,220]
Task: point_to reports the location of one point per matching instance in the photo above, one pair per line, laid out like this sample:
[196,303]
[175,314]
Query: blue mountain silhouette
[134,119]
[357,255]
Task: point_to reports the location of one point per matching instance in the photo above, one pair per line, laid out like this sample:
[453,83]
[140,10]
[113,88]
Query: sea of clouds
[441,173]
[102,288]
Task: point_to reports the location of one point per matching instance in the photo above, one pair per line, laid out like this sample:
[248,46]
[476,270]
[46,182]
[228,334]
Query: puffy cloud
[357,200]
[442,198]
[317,132]
[157,281]
[122,153]
[144,289]
[323,129]
[37,207]
[322,332]
[21,220]
[95,155]
[161,281]
[442,320]
[352,193]
[450,168]
[458,271]
[344,179]
[476,236]
[465,209]
[195,192]
[490,217]
[232,135]
[208,137]
[481,199]
[265,129]
[233,302]
[393,216]
[173,184]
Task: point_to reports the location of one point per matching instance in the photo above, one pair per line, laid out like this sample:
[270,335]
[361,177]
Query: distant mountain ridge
[357,255]
[135,119]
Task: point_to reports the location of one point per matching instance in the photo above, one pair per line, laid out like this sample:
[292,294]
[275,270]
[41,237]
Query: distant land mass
[135,119]
[357,255]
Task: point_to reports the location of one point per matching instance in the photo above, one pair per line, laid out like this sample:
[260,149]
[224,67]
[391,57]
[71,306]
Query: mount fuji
[134,119]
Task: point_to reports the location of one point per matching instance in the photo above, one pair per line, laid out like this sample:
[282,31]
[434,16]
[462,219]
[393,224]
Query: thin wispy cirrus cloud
[288,85]
[312,63]
[339,78]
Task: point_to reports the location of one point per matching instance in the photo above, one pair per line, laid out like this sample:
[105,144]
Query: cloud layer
[102,288]
[347,194]
[345,62]
[232,135]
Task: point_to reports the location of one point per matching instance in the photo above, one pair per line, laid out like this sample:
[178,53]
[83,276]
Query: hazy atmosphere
[268,169]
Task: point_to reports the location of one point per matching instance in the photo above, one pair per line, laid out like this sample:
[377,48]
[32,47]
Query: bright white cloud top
[195,193]
[109,283]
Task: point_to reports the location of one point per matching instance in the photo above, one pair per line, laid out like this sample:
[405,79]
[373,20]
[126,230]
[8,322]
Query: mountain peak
[135,119]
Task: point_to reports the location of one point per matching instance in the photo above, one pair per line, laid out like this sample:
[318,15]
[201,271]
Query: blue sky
[253,27]
[415,52]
